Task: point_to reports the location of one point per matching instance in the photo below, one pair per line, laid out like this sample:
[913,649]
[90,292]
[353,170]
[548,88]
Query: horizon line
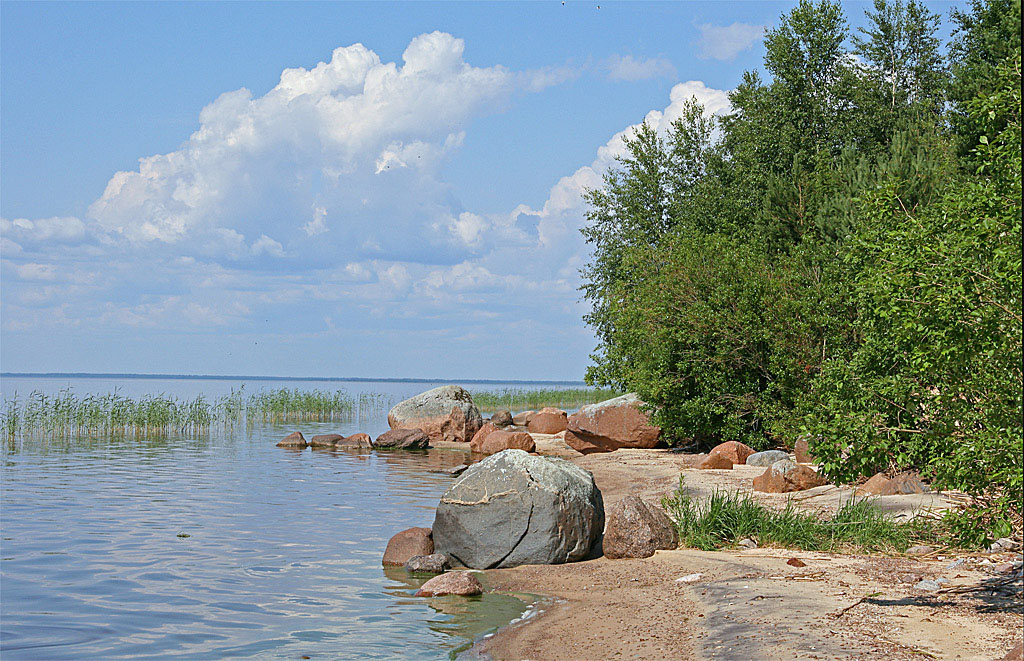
[242,377]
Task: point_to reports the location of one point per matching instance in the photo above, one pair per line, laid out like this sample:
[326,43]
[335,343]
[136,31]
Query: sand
[751,604]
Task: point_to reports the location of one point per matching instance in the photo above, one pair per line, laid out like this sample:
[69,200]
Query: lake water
[221,545]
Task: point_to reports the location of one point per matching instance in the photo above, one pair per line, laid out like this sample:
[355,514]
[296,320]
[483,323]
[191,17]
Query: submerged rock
[407,544]
[514,508]
[635,529]
[610,425]
[325,440]
[462,583]
[435,563]
[444,414]
[293,440]
[402,439]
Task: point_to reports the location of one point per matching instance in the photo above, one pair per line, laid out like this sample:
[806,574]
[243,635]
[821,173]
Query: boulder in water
[514,509]
[444,414]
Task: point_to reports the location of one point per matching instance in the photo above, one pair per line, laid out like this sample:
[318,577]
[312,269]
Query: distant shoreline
[249,377]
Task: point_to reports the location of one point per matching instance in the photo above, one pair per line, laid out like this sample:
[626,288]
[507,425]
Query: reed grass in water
[515,399]
[66,414]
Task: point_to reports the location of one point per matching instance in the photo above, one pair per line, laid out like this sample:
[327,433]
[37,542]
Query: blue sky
[337,189]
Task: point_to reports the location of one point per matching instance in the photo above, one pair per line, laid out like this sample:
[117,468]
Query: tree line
[839,255]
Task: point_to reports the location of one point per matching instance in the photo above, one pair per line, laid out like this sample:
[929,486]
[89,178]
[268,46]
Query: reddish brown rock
[402,439]
[715,460]
[478,438]
[406,544]
[523,419]
[878,485]
[802,451]
[796,562]
[293,440]
[610,425]
[736,452]
[462,583]
[325,440]
[1016,653]
[356,440]
[499,440]
[785,476]
[548,421]
[634,529]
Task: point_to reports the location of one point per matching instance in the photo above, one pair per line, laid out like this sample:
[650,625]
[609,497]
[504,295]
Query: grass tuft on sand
[726,518]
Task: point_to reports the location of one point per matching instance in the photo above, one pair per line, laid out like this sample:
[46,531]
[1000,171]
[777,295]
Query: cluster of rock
[782,475]
[297,440]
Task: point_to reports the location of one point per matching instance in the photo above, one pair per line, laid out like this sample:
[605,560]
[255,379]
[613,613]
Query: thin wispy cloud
[725,42]
[628,68]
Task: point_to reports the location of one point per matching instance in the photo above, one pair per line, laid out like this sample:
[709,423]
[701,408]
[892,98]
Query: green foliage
[934,382]
[842,256]
[726,518]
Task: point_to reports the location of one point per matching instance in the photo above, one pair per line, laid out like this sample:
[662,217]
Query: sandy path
[749,604]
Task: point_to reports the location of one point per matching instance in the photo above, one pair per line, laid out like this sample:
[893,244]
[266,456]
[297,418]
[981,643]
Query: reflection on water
[221,546]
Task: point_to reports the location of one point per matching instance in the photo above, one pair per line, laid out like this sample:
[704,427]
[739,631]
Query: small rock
[548,421]
[910,578]
[1016,653]
[736,452]
[356,440]
[435,563]
[501,418]
[522,419]
[796,562]
[878,485]
[499,440]
[919,550]
[634,529]
[956,563]
[325,440]
[457,470]
[293,440]
[689,578]
[1002,544]
[715,461]
[462,583]
[802,451]
[785,477]
[909,483]
[766,458]
[406,544]
[402,439]
[930,586]
[747,544]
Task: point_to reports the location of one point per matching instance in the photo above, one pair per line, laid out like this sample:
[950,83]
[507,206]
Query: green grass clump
[726,518]
[516,399]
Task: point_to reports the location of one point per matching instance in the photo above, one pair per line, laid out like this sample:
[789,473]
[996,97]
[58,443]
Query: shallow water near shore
[223,545]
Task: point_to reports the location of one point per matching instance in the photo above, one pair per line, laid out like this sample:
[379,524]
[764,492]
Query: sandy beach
[753,604]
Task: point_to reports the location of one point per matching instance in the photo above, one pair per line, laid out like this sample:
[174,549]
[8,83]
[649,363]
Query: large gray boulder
[444,414]
[516,509]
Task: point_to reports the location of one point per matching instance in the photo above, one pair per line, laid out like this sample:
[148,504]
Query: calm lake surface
[221,544]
